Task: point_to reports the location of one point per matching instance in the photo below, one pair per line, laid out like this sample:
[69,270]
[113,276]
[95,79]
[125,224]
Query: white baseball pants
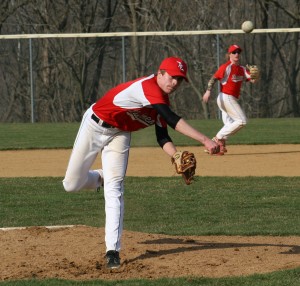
[233,116]
[114,145]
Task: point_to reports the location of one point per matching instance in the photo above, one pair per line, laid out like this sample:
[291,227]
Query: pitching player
[106,128]
[231,76]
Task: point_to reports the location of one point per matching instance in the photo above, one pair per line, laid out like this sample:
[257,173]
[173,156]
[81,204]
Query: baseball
[247,26]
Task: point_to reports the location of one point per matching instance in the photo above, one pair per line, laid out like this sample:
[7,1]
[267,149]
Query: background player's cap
[174,67]
[233,48]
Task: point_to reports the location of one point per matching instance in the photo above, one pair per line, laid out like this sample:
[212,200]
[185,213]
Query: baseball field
[237,224]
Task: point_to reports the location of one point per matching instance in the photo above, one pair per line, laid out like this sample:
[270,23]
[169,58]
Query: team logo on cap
[180,66]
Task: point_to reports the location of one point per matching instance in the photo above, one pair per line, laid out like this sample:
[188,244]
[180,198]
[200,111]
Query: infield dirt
[77,253]
[245,160]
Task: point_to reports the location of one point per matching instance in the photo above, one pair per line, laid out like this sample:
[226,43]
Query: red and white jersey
[128,105]
[231,77]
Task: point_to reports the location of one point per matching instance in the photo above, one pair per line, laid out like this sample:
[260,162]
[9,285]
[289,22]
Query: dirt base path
[246,160]
[76,253]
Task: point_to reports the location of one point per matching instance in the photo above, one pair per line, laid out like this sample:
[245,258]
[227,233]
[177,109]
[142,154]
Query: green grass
[280,278]
[37,135]
[210,206]
[62,135]
[258,131]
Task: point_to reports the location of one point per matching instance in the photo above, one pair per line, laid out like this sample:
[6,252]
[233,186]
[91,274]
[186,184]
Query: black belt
[103,124]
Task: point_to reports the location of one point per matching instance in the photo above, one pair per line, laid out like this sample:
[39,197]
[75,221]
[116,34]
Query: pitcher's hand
[211,146]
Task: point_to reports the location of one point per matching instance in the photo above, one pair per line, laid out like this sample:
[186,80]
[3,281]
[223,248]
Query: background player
[106,128]
[231,76]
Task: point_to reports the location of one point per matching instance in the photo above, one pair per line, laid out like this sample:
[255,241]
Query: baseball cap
[233,48]
[174,67]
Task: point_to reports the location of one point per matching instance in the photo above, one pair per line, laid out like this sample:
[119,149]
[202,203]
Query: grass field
[281,278]
[62,135]
[228,206]
[210,206]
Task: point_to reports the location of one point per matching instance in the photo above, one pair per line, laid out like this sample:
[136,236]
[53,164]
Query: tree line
[66,75]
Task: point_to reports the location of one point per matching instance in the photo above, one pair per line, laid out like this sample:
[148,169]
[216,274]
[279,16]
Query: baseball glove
[185,164]
[253,70]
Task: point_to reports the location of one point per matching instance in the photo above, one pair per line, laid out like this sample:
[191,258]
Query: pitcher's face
[168,83]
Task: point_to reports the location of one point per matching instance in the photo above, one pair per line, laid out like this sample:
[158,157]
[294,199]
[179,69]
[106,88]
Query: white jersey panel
[133,96]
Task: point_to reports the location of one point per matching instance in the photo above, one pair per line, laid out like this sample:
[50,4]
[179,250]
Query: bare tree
[71,73]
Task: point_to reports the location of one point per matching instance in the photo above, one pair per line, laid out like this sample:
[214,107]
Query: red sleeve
[219,74]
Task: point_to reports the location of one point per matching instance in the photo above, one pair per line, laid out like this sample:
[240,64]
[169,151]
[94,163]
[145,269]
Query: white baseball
[247,26]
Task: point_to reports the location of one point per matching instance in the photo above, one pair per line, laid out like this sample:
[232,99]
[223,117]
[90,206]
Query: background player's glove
[253,70]
[185,164]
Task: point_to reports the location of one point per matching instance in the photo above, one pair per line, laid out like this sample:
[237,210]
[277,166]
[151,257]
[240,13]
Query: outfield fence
[54,77]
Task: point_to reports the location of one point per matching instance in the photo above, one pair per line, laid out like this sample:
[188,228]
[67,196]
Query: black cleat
[112,259]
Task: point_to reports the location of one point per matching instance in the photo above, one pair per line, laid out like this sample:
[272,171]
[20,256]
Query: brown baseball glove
[185,164]
[254,71]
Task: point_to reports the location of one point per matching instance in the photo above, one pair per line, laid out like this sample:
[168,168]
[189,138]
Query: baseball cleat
[217,154]
[222,144]
[112,259]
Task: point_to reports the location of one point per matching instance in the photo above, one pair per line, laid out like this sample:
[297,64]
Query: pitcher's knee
[70,186]
[243,122]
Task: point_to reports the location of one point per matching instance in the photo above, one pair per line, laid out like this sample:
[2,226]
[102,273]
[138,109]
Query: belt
[103,123]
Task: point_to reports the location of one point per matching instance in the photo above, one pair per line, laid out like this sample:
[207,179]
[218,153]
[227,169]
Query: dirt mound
[77,253]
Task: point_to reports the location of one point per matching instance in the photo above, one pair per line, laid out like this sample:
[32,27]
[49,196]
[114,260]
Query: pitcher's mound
[77,253]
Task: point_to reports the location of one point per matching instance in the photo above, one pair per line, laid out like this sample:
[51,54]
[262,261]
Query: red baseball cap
[174,67]
[234,48]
